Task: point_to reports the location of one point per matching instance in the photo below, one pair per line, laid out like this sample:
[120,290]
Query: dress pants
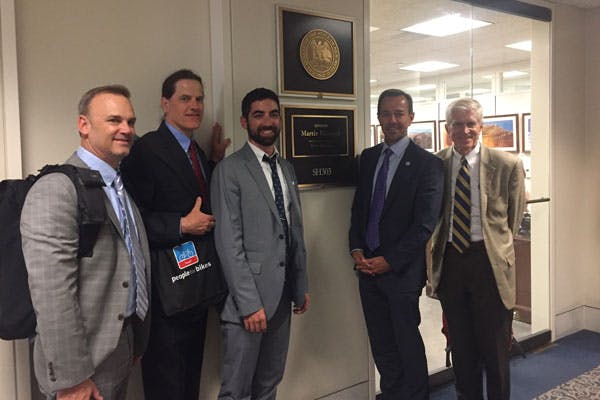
[172,363]
[393,319]
[253,363]
[480,326]
[111,377]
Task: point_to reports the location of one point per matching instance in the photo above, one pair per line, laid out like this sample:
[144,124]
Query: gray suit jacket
[502,188]
[79,303]
[250,238]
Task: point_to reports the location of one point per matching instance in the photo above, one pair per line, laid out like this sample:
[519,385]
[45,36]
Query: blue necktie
[278,193]
[377,201]
[135,250]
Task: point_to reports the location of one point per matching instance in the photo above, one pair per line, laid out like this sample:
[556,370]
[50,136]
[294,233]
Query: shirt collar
[470,156]
[259,153]
[181,137]
[399,147]
[107,172]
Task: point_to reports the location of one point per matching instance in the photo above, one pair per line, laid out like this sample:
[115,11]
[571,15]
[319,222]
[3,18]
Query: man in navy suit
[168,175]
[395,209]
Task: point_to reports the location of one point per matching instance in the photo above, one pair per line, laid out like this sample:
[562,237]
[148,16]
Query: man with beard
[259,238]
[395,209]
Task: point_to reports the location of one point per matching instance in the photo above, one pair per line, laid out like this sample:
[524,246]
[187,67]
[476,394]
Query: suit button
[282,264]
[125,284]
[280,236]
[121,317]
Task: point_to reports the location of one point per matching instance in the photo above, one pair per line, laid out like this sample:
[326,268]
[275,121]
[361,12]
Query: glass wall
[441,50]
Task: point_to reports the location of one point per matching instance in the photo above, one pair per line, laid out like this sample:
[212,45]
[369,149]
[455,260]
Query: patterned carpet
[585,386]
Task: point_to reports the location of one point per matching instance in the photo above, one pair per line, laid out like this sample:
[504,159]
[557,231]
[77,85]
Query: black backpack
[17,318]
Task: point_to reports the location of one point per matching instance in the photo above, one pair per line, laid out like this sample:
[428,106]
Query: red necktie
[193,151]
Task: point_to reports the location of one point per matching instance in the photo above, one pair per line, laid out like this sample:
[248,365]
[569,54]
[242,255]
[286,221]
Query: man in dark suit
[473,268]
[92,312]
[395,209]
[260,240]
[168,176]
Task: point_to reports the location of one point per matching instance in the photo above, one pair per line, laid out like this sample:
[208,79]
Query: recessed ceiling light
[513,74]
[429,66]
[373,81]
[525,45]
[446,25]
[373,28]
[419,88]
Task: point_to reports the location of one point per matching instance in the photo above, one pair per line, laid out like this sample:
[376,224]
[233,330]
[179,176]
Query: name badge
[185,255]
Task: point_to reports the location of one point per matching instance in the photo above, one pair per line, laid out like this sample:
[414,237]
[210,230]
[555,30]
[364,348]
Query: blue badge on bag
[185,255]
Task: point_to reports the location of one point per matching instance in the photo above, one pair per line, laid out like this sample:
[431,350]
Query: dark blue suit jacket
[410,213]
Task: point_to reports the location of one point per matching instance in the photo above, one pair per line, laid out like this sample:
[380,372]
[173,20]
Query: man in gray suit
[259,238]
[92,311]
[473,270]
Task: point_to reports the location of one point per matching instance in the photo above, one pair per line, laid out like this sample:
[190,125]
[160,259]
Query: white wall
[592,145]
[571,246]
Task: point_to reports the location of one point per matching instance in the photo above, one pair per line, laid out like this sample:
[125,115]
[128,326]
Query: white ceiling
[578,3]
[482,51]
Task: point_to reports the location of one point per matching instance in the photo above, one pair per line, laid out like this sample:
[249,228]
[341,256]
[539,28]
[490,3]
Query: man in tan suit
[473,271]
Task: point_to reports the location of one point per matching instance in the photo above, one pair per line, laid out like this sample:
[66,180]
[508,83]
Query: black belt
[477,245]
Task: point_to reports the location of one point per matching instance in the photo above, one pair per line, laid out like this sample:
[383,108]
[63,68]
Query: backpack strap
[90,203]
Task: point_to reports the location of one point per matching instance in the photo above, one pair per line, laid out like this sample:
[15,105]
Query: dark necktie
[134,248]
[461,215]
[278,193]
[193,152]
[377,202]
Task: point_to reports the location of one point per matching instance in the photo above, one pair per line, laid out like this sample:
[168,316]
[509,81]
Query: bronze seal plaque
[319,54]
[316,54]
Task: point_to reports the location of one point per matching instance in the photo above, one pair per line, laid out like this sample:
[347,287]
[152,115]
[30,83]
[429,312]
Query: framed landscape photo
[526,140]
[444,139]
[501,132]
[423,134]
[316,54]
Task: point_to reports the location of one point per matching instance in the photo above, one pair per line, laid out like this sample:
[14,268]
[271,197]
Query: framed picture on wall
[526,139]
[423,134]
[315,54]
[443,139]
[501,132]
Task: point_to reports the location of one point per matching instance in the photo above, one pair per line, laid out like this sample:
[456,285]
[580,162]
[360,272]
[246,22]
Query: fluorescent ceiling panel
[446,25]
[513,74]
[524,45]
[429,66]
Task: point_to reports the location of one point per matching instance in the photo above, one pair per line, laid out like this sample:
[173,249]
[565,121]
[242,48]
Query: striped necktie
[134,248]
[461,215]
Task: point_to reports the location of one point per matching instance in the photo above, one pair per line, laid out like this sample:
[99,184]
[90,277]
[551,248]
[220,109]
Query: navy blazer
[410,212]
[159,176]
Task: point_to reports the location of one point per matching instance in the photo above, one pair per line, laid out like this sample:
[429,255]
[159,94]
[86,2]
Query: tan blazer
[502,188]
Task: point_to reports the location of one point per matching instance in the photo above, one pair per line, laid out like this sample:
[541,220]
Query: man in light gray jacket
[259,238]
[92,312]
